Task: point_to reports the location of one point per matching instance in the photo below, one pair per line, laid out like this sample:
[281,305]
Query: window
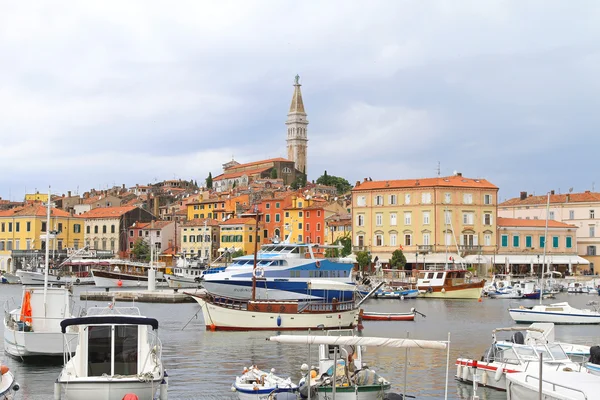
[17,227]
[184,238]
[3,226]
[300,225]
[504,240]
[299,238]
[592,231]
[407,239]
[407,218]
[43,226]
[468,218]
[28,244]
[591,251]
[468,240]
[571,214]
[103,228]
[542,242]
[319,213]
[393,239]
[361,201]
[360,240]
[407,198]
[448,239]
[87,228]
[487,239]
[268,205]
[77,228]
[112,244]
[447,217]
[300,214]
[516,241]
[18,244]
[426,198]
[96,229]
[10,226]
[112,228]
[140,233]
[287,214]
[268,218]
[569,242]
[529,242]
[9,245]
[277,217]
[487,219]
[319,227]
[555,242]
[426,217]
[447,198]
[467,198]
[308,214]
[379,219]
[378,200]
[28,226]
[426,239]
[378,240]
[393,199]
[551,215]
[393,219]
[360,220]
[591,214]
[307,227]
[487,199]
[276,205]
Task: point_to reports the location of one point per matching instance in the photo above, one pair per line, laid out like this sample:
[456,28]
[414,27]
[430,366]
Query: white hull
[245,292]
[114,283]
[26,344]
[7,381]
[108,389]
[222,318]
[37,278]
[524,316]
[177,282]
[556,385]
[370,395]
[9,278]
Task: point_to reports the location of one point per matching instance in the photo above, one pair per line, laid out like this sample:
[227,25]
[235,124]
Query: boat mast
[255,253]
[47,256]
[545,246]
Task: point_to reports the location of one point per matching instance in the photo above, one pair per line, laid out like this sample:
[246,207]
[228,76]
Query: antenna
[439,169]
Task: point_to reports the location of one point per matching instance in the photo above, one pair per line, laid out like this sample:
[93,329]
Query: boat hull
[178,282]
[7,382]
[366,392]
[117,279]
[10,278]
[491,380]
[273,290]
[526,316]
[218,318]
[367,316]
[458,293]
[405,294]
[37,278]
[105,389]
[20,344]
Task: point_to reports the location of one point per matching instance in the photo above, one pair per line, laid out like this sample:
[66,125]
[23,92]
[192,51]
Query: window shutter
[462,240]
[475,240]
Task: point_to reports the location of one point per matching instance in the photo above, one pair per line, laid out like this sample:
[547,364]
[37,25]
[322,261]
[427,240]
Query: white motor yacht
[556,385]
[557,313]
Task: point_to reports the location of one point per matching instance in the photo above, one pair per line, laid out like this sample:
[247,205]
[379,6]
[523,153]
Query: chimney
[459,174]
[552,192]
[123,186]
[357,184]
[568,197]
[523,195]
[365,179]
[69,193]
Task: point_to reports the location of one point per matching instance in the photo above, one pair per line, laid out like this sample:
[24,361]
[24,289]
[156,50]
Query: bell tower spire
[297,140]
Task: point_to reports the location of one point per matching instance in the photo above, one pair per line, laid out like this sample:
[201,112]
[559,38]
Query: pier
[142,296]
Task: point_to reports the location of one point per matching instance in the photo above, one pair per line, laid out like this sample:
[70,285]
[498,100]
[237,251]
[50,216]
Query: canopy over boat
[359,341]
[109,319]
[325,284]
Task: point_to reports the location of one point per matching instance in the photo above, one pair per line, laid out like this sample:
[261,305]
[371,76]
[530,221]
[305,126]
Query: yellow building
[200,239]
[238,234]
[426,218]
[21,229]
[338,226]
[293,220]
[37,196]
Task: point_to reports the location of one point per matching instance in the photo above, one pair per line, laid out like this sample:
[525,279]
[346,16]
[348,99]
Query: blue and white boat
[256,384]
[283,271]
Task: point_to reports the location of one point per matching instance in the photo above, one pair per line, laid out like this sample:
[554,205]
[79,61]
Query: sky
[98,94]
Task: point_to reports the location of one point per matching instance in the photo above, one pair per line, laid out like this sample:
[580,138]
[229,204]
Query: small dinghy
[8,385]
[375,316]
[256,384]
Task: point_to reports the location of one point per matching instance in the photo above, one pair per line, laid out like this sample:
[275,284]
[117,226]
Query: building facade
[200,239]
[158,234]
[238,234]
[426,218]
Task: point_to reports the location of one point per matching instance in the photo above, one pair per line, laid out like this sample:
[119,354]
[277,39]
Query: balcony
[359,248]
[425,248]
[470,248]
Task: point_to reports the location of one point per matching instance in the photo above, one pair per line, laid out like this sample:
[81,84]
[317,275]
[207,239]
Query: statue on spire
[297,80]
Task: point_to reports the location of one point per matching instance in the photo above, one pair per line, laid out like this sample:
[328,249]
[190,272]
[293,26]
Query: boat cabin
[447,278]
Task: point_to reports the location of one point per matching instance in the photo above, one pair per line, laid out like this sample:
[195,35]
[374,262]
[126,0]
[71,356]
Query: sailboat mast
[545,246]
[255,254]
[47,256]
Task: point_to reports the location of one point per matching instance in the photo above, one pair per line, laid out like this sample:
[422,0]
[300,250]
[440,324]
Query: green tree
[237,253]
[342,185]
[363,258]
[398,260]
[209,181]
[345,241]
[273,173]
[141,250]
[299,182]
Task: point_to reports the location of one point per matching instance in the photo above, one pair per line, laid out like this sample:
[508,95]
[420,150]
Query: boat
[33,328]
[116,353]
[498,362]
[188,274]
[342,371]
[285,270]
[557,384]
[376,316]
[506,293]
[449,284]
[8,384]
[7,277]
[557,313]
[498,282]
[125,273]
[222,313]
[257,384]
[37,277]
[388,292]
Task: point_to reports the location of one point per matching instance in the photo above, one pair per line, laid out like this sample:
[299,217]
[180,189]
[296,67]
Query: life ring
[318,264]
[258,272]
[269,308]
[58,278]
[429,289]
[197,279]
[281,308]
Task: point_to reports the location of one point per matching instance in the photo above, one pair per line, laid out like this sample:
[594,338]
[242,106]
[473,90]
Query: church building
[242,175]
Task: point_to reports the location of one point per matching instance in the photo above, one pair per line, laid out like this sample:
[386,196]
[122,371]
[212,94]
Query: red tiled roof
[240,173]
[259,162]
[532,223]
[107,212]
[238,221]
[449,181]
[200,222]
[148,225]
[584,197]
[38,210]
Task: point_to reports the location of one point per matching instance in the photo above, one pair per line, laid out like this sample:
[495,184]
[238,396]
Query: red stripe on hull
[241,329]
[367,317]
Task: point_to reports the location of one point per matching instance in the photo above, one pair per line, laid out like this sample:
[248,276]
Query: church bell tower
[297,140]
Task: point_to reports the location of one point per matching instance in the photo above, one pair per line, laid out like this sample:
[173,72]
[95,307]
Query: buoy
[164,390]
[443,290]
[119,283]
[465,373]
[484,378]
[212,327]
[279,320]
[402,297]
[479,300]
[458,370]
[498,374]
[131,396]
[3,369]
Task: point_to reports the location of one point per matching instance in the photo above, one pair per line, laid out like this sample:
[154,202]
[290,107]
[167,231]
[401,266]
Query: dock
[142,296]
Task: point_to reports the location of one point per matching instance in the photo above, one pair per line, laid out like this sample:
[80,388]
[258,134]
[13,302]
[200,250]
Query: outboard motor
[595,355]
[518,338]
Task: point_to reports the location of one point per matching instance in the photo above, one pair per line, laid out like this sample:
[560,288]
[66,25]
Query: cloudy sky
[101,93]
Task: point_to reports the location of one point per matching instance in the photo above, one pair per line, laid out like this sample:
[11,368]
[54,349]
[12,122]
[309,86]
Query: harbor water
[203,364]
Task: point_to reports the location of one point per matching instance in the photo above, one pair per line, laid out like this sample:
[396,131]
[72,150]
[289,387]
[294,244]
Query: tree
[141,250]
[237,253]
[398,260]
[273,173]
[363,258]
[342,185]
[209,181]
[299,182]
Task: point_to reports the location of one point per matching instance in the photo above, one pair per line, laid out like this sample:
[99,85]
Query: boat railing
[555,385]
[328,307]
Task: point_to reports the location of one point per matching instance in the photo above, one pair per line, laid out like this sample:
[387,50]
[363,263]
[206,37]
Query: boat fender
[458,370]
[58,278]
[443,290]
[498,374]
[197,279]
[279,320]
[77,281]
[262,380]
[16,387]
[429,289]
[3,370]
[484,378]
[258,272]
[465,373]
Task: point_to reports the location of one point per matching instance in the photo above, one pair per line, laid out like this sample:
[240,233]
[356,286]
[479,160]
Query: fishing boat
[376,316]
[33,328]
[116,353]
[388,292]
[125,273]
[449,284]
[284,269]
[559,384]
[499,361]
[8,385]
[257,384]
[36,277]
[342,372]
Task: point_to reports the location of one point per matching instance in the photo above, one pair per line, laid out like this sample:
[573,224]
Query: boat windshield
[280,249]
[558,353]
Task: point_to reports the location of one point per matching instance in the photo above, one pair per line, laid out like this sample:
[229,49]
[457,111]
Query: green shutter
[569,242]
[504,240]
[515,241]
[542,241]
[528,242]
[555,242]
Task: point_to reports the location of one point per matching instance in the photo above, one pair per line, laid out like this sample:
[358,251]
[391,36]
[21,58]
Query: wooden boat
[449,284]
[375,316]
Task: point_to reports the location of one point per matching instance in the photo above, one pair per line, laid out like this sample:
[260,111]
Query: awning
[533,259]
[478,259]
[441,258]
